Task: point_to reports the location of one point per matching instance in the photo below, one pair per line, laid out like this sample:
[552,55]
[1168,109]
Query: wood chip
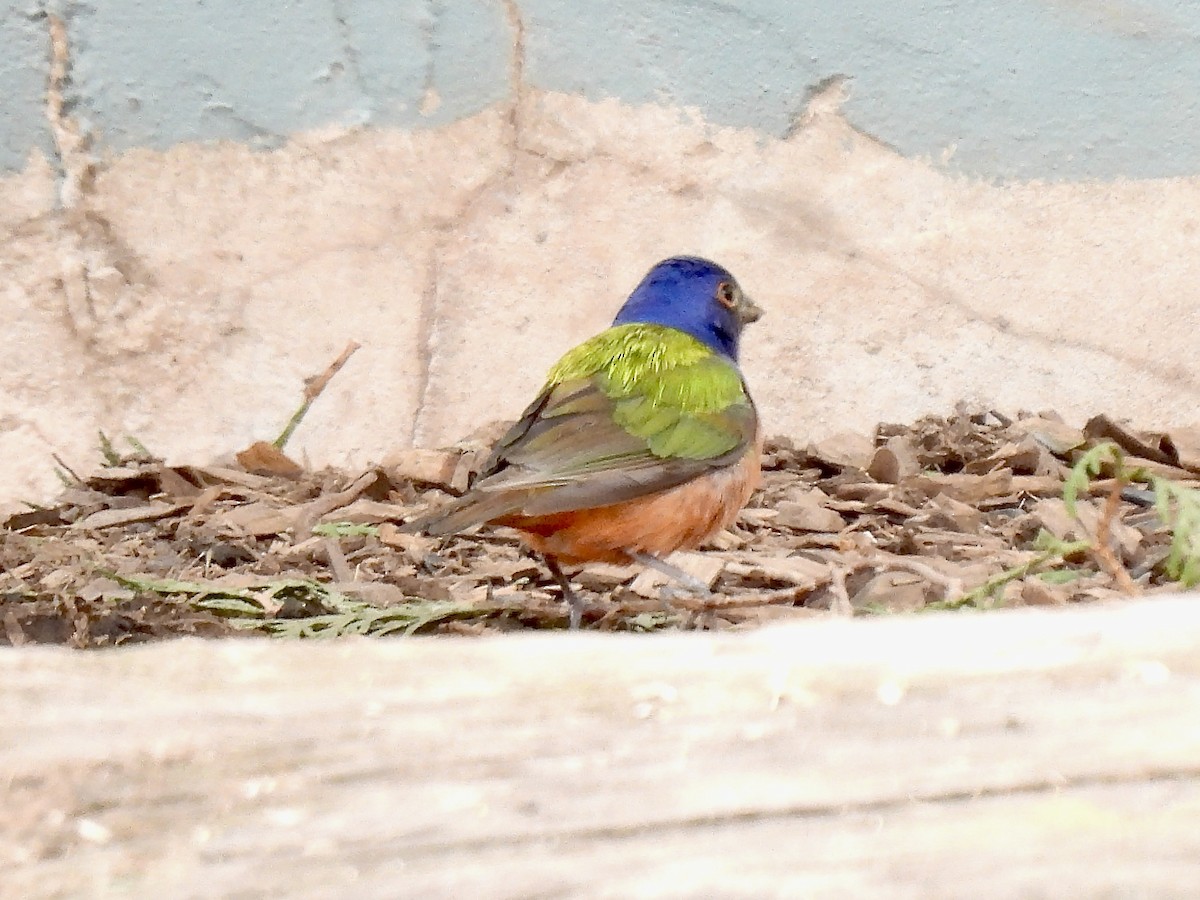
[113,518]
[1154,467]
[368,512]
[1024,457]
[114,475]
[315,510]
[426,467]
[704,567]
[1102,428]
[893,591]
[895,507]
[796,570]
[1057,437]
[1036,592]
[1037,485]
[175,484]
[755,516]
[894,461]
[209,474]
[865,491]
[849,448]
[1186,444]
[946,512]
[1060,523]
[28,519]
[809,515]
[603,576]
[960,486]
[260,519]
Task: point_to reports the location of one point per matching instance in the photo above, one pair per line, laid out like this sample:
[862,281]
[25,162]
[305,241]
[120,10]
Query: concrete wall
[989,201]
[1007,88]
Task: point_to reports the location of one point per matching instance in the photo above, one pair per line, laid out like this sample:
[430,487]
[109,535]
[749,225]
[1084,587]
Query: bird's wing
[619,433]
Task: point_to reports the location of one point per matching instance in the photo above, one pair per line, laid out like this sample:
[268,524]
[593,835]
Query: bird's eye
[726,295]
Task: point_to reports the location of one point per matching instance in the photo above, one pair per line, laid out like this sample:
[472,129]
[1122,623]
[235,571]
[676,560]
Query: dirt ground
[960,512]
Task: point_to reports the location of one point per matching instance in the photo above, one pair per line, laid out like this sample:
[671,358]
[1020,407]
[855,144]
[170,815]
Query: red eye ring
[726,295]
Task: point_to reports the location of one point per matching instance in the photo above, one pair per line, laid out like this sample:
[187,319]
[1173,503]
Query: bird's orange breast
[678,518]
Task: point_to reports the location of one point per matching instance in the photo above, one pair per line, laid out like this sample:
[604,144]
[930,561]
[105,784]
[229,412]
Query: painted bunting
[643,441]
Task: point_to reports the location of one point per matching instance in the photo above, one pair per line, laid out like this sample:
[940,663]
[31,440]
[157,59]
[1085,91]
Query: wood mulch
[965,511]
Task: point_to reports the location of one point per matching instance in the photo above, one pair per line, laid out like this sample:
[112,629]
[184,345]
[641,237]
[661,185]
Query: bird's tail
[459,515]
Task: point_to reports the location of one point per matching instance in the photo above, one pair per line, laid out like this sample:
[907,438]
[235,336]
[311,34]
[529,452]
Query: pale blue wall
[24,55]
[1022,88]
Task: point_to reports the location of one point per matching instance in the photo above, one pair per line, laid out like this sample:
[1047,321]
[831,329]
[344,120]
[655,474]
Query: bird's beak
[748,311]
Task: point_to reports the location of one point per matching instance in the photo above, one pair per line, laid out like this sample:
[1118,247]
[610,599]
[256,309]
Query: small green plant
[251,602]
[1090,466]
[1051,551]
[108,451]
[113,457]
[353,617]
[254,608]
[1179,508]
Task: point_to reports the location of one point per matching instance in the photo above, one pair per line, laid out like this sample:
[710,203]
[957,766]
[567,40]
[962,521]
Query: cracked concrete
[432,317]
[183,295]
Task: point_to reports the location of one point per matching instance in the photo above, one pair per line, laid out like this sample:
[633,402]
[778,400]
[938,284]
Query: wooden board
[1014,754]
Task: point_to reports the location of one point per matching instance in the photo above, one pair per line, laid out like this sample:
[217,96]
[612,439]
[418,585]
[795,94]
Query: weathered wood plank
[1006,754]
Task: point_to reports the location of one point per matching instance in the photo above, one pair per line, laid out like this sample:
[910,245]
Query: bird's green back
[682,398]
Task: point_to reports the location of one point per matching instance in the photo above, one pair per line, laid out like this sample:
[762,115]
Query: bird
[643,440]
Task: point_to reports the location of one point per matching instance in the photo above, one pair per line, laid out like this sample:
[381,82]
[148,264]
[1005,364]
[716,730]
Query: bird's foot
[683,579]
[576,605]
[575,609]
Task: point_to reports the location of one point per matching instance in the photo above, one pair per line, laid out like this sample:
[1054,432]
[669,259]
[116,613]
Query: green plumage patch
[667,388]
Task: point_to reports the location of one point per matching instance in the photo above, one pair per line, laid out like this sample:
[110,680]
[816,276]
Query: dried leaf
[262,458]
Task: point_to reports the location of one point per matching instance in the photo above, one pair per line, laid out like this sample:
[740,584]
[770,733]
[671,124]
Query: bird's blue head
[695,296]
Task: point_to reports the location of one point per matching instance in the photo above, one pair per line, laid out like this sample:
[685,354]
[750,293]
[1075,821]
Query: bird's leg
[573,600]
[691,582]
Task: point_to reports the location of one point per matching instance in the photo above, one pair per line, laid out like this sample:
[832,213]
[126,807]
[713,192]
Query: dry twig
[329,502]
[1103,547]
[312,390]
